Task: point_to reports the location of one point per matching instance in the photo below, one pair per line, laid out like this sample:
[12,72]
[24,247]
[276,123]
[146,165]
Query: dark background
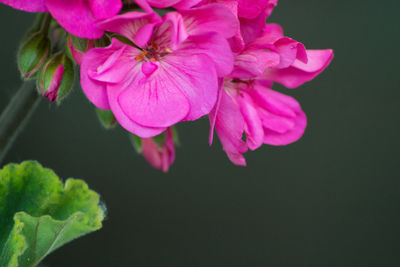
[331,199]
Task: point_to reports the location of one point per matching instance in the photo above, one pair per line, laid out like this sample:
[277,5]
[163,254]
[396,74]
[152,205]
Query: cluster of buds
[42,57]
[149,65]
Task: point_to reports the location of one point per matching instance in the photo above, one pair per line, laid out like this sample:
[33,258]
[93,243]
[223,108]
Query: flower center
[152,52]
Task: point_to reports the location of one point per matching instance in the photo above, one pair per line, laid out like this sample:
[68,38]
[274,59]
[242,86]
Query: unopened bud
[32,54]
[106,117]
[159,151]
[56,79]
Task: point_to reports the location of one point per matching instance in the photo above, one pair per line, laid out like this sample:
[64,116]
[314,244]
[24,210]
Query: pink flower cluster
[206,57]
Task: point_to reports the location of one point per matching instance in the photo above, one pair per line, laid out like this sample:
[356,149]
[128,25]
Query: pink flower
[160,156]
[169,75]
[262,114]
[79,17]
[247,105]
[280,59]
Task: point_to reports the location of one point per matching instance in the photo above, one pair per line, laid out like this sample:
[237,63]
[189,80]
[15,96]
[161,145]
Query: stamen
[155,46]
[141,56]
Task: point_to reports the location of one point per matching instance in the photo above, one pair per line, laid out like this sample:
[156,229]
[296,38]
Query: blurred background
[331,199]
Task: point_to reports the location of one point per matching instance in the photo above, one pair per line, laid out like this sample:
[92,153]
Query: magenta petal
[229,126]
[251,9]
[162,3]
[144,5]
[272,101]
[186,4]
[290,50]
[282,117]
[104,9]
[156,100]
[171,33]
[300,72]
[210,18]
[113,92]
[75,16]
[213,114]
[159,157]
[148,68]
[30,6]
[196,77]
[112,63]
[213,45]
[94,90]
[151,153]
[136,26]
[252,63]
[253,126]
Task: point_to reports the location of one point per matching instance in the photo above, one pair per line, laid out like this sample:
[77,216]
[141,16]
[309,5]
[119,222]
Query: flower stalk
[16,115]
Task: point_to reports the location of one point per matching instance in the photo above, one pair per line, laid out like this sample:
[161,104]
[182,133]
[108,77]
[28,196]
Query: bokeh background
[331,199]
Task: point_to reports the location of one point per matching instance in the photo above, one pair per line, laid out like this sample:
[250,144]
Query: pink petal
[104,9]
[252,63]
[159,157]
[300,72]
[136,26]
[253,126]
[197,79]
[30,6]
[95,91]
[156,100]
[213,45]
[210,18]
[252,28]
[213,114]
[251,9]
[170,150]
[229,126]
[144,5]
[171,33]
[272,101]
[186,4]
[282,117]
[273,29]
[290,50]
[79,19]
[117,60]
[113,92]
[151,153]
[162,3]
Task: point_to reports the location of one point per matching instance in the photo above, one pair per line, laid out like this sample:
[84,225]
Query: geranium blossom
[169,75]
[202,57]
[264,115]
[246,103]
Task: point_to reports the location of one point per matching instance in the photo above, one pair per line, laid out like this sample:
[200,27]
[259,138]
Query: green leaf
[38,214]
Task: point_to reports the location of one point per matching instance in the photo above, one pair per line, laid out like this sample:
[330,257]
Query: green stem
[16,115]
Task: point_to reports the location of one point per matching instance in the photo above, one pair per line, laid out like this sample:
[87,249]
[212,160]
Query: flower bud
[106,117]
[56,79]
[159,151]
[78,46]
[32,54]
